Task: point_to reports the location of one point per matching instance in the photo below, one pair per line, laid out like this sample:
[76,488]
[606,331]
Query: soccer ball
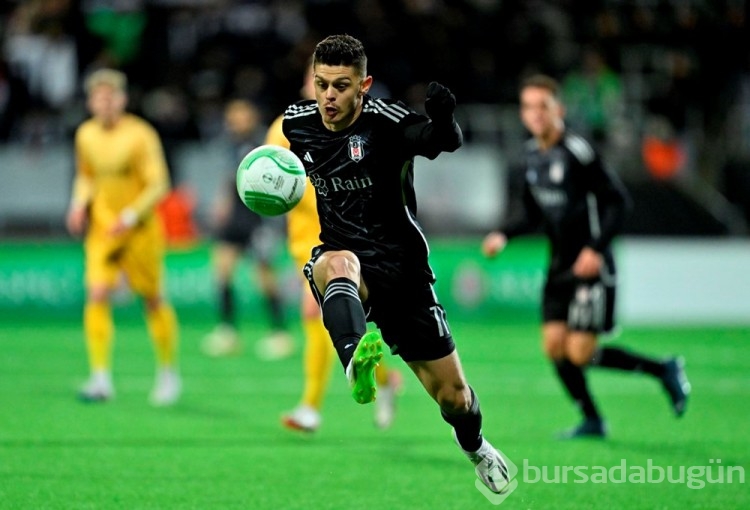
[271,180]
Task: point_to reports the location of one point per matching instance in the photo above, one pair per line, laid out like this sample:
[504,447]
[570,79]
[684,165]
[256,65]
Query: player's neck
[109,122]
[549,140]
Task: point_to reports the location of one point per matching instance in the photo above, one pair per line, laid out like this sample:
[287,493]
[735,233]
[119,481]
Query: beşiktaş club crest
[356,148]
[556,172]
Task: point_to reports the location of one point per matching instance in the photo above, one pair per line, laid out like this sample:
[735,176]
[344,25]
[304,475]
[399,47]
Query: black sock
[468,426]
[226,304]
[344,317]
[614,357]
[276,311]
[574,380]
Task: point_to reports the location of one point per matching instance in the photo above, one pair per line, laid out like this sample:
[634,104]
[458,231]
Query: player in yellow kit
[303,229]
[121,176]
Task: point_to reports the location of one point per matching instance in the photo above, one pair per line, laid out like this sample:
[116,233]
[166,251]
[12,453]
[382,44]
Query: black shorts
[245,229]
[583,305]
[410,318]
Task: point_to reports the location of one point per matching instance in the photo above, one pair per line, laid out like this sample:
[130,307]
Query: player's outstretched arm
[441,133]
[440,103]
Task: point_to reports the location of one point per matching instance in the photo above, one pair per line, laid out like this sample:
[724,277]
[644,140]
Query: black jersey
[574,196]
[363,179]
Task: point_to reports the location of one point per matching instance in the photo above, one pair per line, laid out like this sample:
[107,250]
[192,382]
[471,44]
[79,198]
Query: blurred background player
[237,230]
[303,229]
[581,204]
[121,176]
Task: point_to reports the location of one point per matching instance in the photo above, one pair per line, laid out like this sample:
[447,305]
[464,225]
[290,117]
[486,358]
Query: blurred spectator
[39,50]
[168,110]
[13,101]
[674,91]
[594,96]
[120,25]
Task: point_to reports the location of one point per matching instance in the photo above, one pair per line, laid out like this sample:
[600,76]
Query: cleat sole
[366,357]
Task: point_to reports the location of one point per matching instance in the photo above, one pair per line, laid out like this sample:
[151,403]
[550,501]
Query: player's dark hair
[341,50]
[541,81]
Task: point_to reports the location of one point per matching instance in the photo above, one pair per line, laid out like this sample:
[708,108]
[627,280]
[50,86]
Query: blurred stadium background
[663,88]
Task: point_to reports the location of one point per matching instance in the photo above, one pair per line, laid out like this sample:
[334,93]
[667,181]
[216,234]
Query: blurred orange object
[176,211]
[663,158]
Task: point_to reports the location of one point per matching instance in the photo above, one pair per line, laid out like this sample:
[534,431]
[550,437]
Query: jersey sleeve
[423,136]
[152,167]
[83,185]
[522,215]
[613,200]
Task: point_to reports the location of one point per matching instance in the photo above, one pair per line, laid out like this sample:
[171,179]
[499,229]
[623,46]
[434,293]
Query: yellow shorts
[138,254]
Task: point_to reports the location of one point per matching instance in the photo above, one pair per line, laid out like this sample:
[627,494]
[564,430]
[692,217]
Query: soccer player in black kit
[373,263]
[581,205]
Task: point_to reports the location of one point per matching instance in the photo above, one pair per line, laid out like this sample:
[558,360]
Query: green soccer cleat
[361,368]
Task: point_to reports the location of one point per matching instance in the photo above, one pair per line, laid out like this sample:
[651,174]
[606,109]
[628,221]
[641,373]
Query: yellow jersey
[303,225]
[118,168]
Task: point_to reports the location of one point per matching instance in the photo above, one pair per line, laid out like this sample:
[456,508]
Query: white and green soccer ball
[271,180]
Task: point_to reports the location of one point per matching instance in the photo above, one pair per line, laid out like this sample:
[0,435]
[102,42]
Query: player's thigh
[580,347]
[412,321]
[554,334]
[102,261]
[143,261]
[555,307]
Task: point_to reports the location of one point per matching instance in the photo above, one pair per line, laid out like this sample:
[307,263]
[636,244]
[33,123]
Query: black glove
[440,102]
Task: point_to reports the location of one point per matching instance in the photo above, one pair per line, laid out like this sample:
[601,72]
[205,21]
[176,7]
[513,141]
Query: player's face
[339,91]
[541,113]
[308,85]
[106,103]
[241,118]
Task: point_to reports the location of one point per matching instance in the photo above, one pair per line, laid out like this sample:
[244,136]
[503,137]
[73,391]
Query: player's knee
[339,264]
[454,399]
[579,355]
[554,348]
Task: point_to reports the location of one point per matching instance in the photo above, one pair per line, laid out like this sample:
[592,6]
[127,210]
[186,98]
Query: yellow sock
[162,325]
[319,356]
[99,331]
[381,373]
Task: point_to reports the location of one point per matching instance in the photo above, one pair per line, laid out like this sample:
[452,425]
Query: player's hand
[588,264]
[76,220]
[118,228]
[125,221]
[440,102]
[493,243]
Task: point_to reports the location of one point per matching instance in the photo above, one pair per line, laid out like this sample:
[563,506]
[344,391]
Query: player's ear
[365,85]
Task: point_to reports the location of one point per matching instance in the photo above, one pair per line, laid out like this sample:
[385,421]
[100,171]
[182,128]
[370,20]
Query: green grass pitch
[222,446]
